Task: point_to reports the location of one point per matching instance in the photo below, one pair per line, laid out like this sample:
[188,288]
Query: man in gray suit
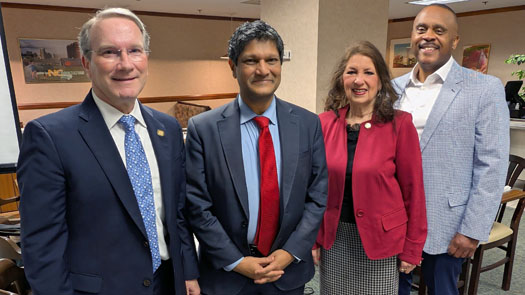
[463,124]
[257,178]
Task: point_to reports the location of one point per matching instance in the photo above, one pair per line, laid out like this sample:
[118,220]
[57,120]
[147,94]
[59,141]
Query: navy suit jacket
[218,200]
[82,231]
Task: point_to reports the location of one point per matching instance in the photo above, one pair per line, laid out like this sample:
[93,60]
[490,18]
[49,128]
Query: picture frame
[476,57]
[51,61]
[401,55]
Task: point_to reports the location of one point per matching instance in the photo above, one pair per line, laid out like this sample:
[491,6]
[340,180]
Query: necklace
[353,120]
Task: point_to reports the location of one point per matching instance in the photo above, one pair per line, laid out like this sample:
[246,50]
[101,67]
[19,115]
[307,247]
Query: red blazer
[387,186]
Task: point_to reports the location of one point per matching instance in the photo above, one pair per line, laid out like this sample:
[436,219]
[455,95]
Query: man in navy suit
[103,182]
[238,165]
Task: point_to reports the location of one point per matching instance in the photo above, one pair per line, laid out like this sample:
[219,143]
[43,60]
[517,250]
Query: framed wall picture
[476,57]
[401,55]
[51,61]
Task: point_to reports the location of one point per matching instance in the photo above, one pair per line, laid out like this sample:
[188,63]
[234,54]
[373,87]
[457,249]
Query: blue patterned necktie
[140,177]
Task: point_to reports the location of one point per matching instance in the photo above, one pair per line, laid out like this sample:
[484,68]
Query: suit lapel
[289,138]
[162,154]
[230,135]
[95,133]
[449,91]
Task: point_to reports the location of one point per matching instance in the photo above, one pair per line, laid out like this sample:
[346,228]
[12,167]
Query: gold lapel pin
[160,132]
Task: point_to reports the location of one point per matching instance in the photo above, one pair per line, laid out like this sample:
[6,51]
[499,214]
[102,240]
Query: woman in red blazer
[375,213]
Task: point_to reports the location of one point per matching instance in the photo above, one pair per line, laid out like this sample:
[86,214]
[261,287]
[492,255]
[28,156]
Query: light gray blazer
[465,151]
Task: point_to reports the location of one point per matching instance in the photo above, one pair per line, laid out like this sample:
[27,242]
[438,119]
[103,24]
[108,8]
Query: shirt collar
[111,115]
[247,114]
[439,75]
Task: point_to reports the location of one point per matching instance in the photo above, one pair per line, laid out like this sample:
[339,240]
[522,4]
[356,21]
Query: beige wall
[503,31]
[317,32]
[185,51]
[341,24]
[184,58]
[298,29]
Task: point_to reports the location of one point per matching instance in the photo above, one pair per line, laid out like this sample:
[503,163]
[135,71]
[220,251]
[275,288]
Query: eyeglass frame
[135,58]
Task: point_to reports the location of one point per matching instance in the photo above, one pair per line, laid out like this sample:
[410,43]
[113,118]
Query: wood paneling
[470,13]
[65,104]
[138,12]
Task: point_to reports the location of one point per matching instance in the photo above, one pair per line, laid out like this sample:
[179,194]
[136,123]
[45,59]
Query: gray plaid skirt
[346,270]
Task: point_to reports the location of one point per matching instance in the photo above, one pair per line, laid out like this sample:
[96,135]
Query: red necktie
[268,221]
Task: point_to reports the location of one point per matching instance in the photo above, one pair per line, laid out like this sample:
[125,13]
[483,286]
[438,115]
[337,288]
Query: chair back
[9,249]
[9,193]
[183,111]
[12,278]
[516,166]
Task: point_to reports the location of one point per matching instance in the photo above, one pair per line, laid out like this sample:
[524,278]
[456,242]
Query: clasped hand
[265,269]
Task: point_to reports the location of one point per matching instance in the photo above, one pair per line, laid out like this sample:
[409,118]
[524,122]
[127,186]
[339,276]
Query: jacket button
[146,244]
[360,213]
[146,283]
[244,224]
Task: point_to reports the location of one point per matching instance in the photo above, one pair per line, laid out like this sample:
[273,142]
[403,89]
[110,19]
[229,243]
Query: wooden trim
[470,13]
[512,195]
[138,12]
[65,104]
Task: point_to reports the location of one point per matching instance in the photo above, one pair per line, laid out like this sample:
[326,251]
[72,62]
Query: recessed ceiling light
[430,2]
[253,2]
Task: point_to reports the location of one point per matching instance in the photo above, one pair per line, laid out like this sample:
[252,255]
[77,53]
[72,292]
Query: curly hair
[386,96]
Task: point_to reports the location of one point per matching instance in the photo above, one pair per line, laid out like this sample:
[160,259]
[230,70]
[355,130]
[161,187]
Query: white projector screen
[9,124]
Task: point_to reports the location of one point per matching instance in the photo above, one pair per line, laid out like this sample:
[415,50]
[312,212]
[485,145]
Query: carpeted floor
[490,281]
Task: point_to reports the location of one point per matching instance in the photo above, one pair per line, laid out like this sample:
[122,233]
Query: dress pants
[405,283]
[441,273]
[267,289]
[163,282]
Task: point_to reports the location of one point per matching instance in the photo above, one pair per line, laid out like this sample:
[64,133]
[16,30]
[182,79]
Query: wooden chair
[9,249]
[12,279]
[9,199]
[502,236]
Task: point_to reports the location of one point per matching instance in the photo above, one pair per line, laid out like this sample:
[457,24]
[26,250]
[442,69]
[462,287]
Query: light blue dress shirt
[250,158]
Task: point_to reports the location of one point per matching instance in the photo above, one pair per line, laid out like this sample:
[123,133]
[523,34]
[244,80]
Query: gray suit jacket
[218,200]
[465,152]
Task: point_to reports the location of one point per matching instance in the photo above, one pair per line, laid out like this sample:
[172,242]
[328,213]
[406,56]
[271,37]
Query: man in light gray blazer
[463,124]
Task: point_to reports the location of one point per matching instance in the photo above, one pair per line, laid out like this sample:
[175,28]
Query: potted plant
[518,59]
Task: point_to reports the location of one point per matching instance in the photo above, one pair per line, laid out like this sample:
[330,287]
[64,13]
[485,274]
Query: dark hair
[253,30]
[386,96]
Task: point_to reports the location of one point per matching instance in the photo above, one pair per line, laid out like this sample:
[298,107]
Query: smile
[428,48]
[359,91]
[123,79]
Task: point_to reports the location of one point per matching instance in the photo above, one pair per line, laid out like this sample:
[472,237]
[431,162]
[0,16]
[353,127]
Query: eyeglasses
[113,54]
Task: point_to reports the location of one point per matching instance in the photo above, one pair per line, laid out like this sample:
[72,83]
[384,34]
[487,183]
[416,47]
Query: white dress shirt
[419,98]
[111,116]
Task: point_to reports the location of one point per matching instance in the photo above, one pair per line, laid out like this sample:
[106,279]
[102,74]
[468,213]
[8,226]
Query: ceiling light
[253,2]
[430,2]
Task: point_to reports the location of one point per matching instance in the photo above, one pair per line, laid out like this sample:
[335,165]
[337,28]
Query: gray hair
[248,31]
[84,35]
